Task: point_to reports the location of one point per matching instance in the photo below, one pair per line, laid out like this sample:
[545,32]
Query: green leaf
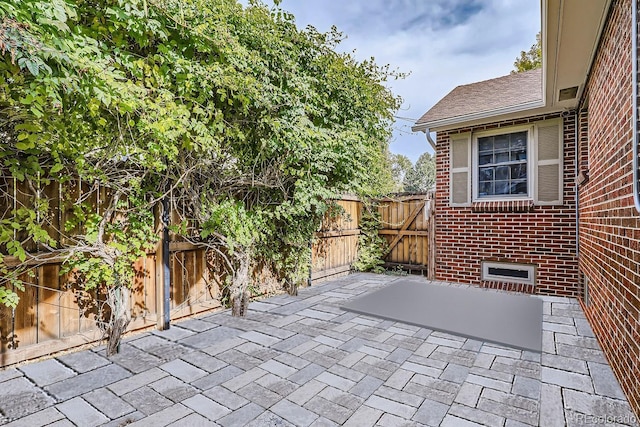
[56,168]
[25,145]
[33,67]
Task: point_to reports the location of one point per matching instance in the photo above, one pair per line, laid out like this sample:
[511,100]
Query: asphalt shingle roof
[489,95]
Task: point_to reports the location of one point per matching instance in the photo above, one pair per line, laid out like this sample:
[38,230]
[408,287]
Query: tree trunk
[118,301]
[239,286]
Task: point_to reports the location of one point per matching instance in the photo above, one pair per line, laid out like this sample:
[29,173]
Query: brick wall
[609,224]
[545,236]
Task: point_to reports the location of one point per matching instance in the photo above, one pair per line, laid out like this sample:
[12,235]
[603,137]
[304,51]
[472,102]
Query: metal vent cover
[509,272]
[568,93]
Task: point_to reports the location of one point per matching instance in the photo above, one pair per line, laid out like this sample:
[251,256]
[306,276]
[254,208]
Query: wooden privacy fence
[54,314]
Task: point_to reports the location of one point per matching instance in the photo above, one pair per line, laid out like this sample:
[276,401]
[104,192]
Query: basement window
[508,272]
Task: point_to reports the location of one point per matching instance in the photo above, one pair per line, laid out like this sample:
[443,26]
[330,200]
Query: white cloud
[443,43]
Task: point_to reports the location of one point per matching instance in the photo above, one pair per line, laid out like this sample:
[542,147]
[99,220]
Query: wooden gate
[336,243]
[407,225]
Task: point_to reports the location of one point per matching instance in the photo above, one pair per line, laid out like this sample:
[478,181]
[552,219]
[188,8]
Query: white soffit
[571,30]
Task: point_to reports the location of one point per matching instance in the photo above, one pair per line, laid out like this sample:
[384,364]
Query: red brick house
[538,180]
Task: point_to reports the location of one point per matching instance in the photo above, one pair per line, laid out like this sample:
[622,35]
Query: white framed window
[501,164]
[510,163]
[509,272]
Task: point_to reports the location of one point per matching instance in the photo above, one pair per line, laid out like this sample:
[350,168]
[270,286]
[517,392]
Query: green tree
[530,59]
[251,124]
[422,176]
[401,165]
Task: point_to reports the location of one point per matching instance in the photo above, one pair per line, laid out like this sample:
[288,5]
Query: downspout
[431,142]
[634,121]
[431,261]
[577,188]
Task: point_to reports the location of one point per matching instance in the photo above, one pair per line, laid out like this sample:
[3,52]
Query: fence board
[69,314]
[177,290]
[51,192]
[25,325]
[48,303]
[87,309]
[6,328]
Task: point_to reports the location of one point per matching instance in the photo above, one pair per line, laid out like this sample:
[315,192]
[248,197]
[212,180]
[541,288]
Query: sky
[442,43]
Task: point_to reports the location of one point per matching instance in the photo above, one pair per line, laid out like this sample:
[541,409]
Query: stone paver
[303,361]
[137,381]
[19,398]
[47,372]
[147,400]
[391,406]
[78,411]
[108,403]
[174,333]
[206,407]
[9,374]
[40,418]
[183,370]
[173,389]
[135,359]
[217,377]
[83,361]
[164,417]
[365,416]
[242,416]
[293,413]
[210,337]
[604,381]
[193,420]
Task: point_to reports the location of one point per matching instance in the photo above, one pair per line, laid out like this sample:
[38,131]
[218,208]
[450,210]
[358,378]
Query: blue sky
[443,43]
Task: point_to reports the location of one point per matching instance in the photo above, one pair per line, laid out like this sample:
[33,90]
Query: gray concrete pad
[302,361]
[500,317]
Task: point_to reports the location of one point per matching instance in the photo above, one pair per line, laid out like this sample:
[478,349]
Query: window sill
[502,206]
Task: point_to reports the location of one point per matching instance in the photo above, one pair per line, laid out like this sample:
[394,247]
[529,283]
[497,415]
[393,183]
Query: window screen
[502,165]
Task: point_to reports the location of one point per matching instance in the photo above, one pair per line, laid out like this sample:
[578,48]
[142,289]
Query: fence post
[309,279]
[163,273]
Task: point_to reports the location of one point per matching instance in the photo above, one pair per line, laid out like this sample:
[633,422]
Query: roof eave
[461,121]
[560,69]
[571,32]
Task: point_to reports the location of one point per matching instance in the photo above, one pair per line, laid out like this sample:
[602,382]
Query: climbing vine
[251,123]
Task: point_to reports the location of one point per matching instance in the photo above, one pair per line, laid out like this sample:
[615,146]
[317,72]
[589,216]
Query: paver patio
[303,361]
